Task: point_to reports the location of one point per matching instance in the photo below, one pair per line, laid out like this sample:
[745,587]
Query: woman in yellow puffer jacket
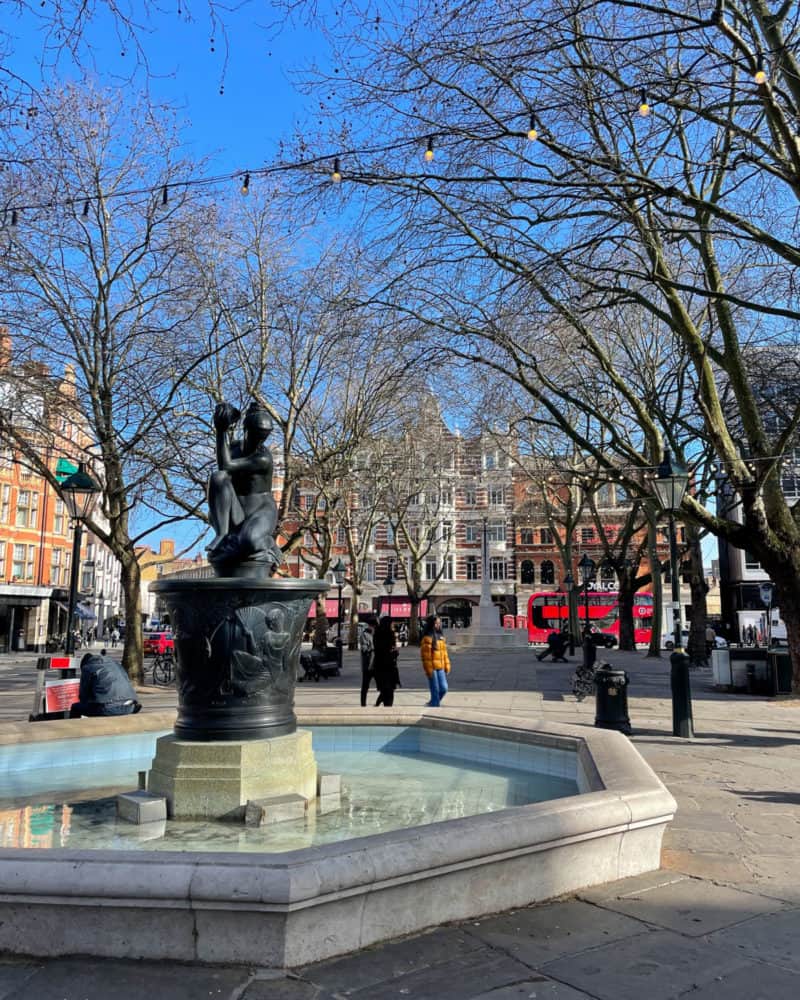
[435,661]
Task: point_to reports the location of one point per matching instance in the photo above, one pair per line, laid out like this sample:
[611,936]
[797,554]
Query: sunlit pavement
[720,920]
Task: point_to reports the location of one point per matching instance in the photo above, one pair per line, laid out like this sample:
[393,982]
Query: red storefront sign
[331,608]
[400,607]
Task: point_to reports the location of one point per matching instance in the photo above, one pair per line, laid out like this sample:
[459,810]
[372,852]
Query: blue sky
[241,126]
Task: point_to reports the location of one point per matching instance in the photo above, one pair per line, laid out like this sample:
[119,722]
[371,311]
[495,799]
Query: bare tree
[96,289]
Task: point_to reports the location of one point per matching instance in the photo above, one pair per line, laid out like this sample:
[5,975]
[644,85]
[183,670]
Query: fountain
[237,647]
[236,742]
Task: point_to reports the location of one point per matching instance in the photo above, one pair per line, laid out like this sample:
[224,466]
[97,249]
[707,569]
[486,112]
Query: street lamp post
[765,592]
[670,486]
[569,584]
[79,491]
[338,570]
[587,568]
[388,586]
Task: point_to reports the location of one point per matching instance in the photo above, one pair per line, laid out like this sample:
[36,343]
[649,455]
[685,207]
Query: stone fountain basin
[290,909]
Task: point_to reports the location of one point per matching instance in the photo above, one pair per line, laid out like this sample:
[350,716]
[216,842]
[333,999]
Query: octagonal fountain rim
[306,905]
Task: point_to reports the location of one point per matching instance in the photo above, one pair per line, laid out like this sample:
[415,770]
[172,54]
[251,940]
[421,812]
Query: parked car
[607,639]
[668,640]
[157,642]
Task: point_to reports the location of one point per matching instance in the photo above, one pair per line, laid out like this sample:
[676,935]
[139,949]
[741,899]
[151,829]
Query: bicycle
[163,668]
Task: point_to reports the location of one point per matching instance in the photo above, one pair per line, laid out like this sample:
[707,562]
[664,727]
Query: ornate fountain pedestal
[237,648]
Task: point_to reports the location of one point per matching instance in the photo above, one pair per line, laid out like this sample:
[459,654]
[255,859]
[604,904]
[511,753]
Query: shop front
[23,617]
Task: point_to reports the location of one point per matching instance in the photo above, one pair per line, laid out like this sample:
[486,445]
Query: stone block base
[202,780]
[278,809]
[141,807]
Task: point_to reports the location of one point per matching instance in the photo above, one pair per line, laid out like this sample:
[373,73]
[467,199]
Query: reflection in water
[381,792]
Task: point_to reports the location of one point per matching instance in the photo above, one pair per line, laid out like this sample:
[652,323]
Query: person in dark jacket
[556,647]
[105,689]
[384,662]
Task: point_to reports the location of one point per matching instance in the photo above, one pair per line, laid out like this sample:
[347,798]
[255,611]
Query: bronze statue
[242,510]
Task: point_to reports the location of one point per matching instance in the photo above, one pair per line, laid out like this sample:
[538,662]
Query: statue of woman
[242,510]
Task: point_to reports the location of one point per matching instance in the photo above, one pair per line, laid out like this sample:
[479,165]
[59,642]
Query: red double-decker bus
[548,612]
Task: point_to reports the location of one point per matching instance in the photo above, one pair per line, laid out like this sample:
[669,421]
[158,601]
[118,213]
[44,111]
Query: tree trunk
[658,595]
[627,635]
[699,589]
[132,653]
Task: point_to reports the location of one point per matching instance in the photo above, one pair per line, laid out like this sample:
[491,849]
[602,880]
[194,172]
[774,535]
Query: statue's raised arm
[242,510]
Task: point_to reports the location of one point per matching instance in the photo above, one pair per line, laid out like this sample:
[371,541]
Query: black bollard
[611,700]
[682,723]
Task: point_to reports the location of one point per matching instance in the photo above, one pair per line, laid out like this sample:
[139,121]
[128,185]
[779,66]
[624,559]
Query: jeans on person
[438,685]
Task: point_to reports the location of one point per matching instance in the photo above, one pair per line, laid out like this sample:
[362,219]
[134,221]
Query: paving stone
[754,982]
[770,938]
[99,979]
[692,908]
[13,976]
[626,886]
[540,987]
[655,966]
[383,963]
[539,934]
[280,989]
[462,978]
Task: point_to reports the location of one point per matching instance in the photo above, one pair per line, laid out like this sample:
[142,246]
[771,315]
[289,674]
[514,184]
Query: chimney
[167,548]
[5,347]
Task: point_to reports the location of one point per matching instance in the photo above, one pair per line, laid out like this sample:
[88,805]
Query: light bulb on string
[86,209]
[644,107]
[336,176]
[760,76]
[429,150]
[14,217]
[164,195]
[533,133]
[246,184]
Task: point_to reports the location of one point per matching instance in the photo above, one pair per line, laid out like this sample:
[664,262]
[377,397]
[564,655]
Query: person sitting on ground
[556,647]
[105,689]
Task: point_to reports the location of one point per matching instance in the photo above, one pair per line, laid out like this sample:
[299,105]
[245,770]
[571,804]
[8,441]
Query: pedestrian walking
[114,638]
[435,661]
[384,662]
[367,647]
[711,639]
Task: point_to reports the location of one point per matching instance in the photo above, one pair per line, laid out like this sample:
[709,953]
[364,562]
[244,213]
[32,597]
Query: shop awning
[64,469]
[85,613]
[400,607]
[331,608]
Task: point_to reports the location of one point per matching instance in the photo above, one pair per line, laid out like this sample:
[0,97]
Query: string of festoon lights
[13,211]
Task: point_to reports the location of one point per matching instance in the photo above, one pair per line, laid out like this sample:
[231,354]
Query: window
[621,494]
[496,531]
[472,533]
[472,568]
[389,533]
[547,573]
[447,573]
[545,536]
[587,534]
[55,566]
[607,574]
[490,460]
[750,561]
[6,458]
[58,518]
[365,498]
[341,535]
[602,496]
[431,569]
[447,530]
[447,498]
[23,508]
[369,571]
[526,536]
[496,496]
[527,572]
[22,567]
[5,505]
[470,497]
[391,569]
[2,561]
[497,569]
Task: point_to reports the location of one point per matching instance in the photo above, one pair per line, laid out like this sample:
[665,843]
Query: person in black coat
[105,689]
[384,662]
[556,647]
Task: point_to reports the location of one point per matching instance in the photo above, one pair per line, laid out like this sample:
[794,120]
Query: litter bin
[780,670]
[611,700]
